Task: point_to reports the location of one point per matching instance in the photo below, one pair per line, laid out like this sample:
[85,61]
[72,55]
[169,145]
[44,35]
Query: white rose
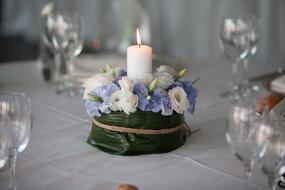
[164,80]
[178,100]
[115,101]
[166,69]
[144,79]
[129,102]
[96,81]
[126,84]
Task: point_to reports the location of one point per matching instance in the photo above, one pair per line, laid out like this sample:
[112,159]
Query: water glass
[239,38]
[240,133]
[4,139]
[273,161]
[16,107]
[63,34]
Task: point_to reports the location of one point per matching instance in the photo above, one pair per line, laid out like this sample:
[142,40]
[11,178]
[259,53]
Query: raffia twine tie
[143,131]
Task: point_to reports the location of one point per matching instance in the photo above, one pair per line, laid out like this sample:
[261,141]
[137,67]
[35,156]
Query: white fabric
[59,158]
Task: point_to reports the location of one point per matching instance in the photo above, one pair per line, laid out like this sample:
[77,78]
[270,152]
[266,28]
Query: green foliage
[135,144]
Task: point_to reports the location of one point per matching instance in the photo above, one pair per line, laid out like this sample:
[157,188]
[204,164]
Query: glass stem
[236,74]
[62,66]
[244,71]
[248,165]
[12,166]
[272,183]
[57,61]
[248,170]
[64,69]
[239,69]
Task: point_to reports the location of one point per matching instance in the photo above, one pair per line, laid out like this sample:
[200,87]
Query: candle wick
[139,45]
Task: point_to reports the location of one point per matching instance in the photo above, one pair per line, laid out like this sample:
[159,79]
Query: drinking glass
[4,139]
[273,161]
[17,107]
[63,34]
[242,121]
[239,37]
[262,130]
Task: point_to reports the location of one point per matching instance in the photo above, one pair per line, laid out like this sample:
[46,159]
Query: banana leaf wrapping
[124,143]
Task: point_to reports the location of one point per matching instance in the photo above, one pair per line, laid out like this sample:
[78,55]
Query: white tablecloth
[59,158]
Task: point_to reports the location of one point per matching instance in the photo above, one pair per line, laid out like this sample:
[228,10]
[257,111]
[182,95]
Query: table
[59,158]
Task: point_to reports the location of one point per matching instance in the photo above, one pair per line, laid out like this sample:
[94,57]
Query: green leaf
[152,85]
[113,72]
[95,98]
[195,80]
[103,70]
[135,144]
[109,67]
[181,74]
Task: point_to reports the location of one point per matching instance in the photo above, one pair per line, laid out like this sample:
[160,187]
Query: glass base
[67,86]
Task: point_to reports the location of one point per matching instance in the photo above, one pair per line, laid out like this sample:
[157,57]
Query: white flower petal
[144,79]
[164,80]
[129,102]
[96,81]
[126,84]
[166,69]
[178,99]
[115,101]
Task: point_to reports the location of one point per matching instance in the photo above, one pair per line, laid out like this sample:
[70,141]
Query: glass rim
[18,94]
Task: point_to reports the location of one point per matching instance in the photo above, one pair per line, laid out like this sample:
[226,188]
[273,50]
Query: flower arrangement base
[137,133]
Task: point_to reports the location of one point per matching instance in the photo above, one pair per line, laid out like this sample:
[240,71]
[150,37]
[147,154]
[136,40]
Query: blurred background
[187,29]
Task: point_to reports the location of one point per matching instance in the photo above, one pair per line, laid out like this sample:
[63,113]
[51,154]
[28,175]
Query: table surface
[58,156]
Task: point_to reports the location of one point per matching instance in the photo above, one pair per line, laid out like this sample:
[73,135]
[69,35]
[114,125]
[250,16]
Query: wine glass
[241,124]
[273,161]
[253,33]
[269,146]
[17,107]
[63,34]
[4,139]
[239,37]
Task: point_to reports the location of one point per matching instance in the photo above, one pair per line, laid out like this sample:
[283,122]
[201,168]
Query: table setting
[141,120]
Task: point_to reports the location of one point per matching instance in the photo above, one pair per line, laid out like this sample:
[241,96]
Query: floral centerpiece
[139,116]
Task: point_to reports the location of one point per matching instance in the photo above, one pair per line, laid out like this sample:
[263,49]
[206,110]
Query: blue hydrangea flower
[96,108]
[92,108]
[191,95]
[155,101]
[159,101]
[166,106]
[142,92]
[106,91]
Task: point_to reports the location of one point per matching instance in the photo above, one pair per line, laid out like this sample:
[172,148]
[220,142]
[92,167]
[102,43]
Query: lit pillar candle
[139,59]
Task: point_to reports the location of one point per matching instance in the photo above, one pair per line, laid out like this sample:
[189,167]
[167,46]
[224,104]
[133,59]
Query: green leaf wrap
[134,144]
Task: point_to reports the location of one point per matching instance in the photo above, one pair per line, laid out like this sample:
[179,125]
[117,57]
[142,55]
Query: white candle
[139,59]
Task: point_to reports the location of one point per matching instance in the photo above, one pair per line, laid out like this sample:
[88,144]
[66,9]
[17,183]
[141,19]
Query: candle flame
[139,38]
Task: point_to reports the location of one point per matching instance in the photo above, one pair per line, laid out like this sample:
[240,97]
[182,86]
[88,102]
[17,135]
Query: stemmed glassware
[251,137]
[63,34]
[4,139]
[239,37]
[240,134]
[255,138]
[273,161]
[16,108]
